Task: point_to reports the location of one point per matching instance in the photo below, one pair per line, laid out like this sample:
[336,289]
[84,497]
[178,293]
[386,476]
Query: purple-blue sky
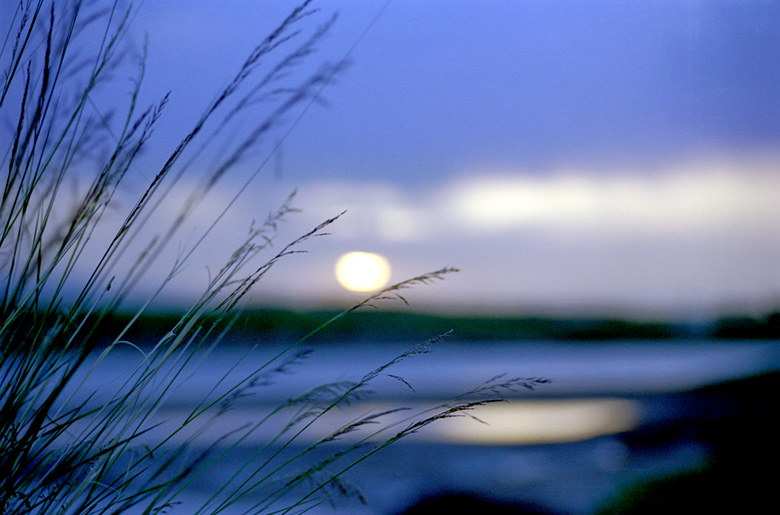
[585,155]
[439,86]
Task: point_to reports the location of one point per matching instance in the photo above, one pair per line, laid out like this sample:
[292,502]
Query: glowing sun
[362,271]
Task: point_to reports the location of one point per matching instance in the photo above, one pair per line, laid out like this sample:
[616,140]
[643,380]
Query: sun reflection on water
[535,422]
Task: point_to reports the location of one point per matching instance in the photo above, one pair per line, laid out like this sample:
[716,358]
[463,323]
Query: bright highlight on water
[537,422]
[362,271]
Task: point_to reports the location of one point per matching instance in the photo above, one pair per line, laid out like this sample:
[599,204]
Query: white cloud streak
[692,199]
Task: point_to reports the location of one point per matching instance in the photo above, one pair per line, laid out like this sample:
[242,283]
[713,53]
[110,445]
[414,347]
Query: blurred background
[605,157]
[605,176]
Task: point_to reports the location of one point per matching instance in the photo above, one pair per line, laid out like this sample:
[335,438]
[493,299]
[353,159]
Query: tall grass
[67,449]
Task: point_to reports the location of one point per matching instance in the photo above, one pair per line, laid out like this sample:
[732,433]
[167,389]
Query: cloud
[375,211]
[678,201]
[691,198]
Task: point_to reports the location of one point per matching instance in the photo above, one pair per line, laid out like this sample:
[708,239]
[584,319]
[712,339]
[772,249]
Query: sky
[604,156]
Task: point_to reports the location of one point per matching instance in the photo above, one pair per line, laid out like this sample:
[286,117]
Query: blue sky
[573,155]
[536,84]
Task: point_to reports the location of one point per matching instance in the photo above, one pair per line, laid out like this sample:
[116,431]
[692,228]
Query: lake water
[566,445]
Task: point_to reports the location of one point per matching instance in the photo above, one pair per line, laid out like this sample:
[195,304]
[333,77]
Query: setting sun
[362,271]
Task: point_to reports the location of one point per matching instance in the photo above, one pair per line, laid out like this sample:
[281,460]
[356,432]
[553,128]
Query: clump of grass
[66,449]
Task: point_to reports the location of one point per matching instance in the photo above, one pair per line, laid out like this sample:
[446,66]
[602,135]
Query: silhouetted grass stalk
[67,451]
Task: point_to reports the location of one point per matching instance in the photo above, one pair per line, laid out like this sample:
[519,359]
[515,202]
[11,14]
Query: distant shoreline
[391,326]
